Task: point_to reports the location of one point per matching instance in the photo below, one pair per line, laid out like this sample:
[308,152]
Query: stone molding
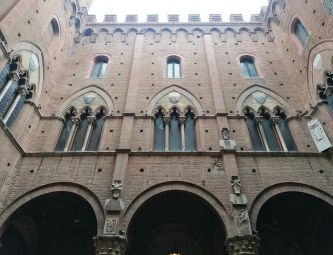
[243,245]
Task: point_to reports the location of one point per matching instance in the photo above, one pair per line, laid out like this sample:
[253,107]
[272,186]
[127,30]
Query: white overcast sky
[181,7]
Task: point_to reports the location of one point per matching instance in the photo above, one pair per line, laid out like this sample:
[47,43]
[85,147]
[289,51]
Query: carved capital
[243,245]
[258,120]
[110,245]
[75,121]
[236,184]
[167,120]
[182,120]
[91,119]
[275,120]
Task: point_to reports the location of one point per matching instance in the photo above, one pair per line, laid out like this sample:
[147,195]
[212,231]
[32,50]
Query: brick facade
[135,77]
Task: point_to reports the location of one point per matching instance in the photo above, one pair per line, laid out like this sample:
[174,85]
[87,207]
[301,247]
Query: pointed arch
[117,30]
[244,95]
[102,93]
[187,94]
[244,29]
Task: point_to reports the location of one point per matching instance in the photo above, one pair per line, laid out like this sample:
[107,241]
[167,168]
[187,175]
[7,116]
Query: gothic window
[99,68]
[267,125]
[174,132]
[174,119]
[189,127]
[269,132]
[173,67]
[66,130]
[248,67]
[300,32]
[159,135]
[96,131]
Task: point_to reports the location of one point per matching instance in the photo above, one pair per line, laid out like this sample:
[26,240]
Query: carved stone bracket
[326,89]
[236,184]
[243,245]
[116,188]
[110,245]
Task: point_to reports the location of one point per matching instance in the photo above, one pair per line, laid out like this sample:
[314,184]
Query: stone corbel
[243,245]
[110,245]
[115,204]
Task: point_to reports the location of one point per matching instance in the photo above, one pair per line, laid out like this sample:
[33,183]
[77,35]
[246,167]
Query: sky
[181,7]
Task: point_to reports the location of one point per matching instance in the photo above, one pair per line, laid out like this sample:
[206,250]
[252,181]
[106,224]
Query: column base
[243,245]
[110,245]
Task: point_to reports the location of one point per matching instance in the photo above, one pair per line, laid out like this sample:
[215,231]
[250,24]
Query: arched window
[173,67]
[159,135]
[88,32]
[248,67]
[300,32]
[189,128]
[54,27]
[99,68]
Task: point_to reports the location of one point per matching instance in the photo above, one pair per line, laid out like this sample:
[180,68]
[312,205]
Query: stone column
[75,123]
[110,245]
[166,132]
[182,130]
[91,120]
[243,245]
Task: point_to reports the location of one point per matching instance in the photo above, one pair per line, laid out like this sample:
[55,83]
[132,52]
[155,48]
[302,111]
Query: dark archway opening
[295,223]
[177,223]
[56,223]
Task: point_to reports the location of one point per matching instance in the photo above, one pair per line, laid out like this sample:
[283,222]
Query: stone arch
[118,30]
[187,94]
[166,30]
[182,30]
[132,30]
[243,95]
[280,188]
[103,30]
[244,29]
[149,30]
[230,29]
[88,32]
[29,46]
[205,195]
[74,188]
[93,88]
[217,30]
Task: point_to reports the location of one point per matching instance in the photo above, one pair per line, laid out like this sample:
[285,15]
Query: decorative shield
[174,97]
[89,99]
[260,97]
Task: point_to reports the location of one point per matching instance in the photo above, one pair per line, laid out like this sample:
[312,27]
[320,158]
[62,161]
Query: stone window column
[22,93]
[279,134]
[167,122]
[91,120]
[243,245]
[182,131]
[258,121]
[75,122]
[110,245]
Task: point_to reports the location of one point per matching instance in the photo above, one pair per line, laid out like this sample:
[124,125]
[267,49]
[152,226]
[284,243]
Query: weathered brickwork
[135,78]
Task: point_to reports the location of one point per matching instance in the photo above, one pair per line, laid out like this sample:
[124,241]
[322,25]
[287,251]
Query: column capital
[110,245]
[75,120]
[91,119]
[243,245]
[167,120]
[182,120]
